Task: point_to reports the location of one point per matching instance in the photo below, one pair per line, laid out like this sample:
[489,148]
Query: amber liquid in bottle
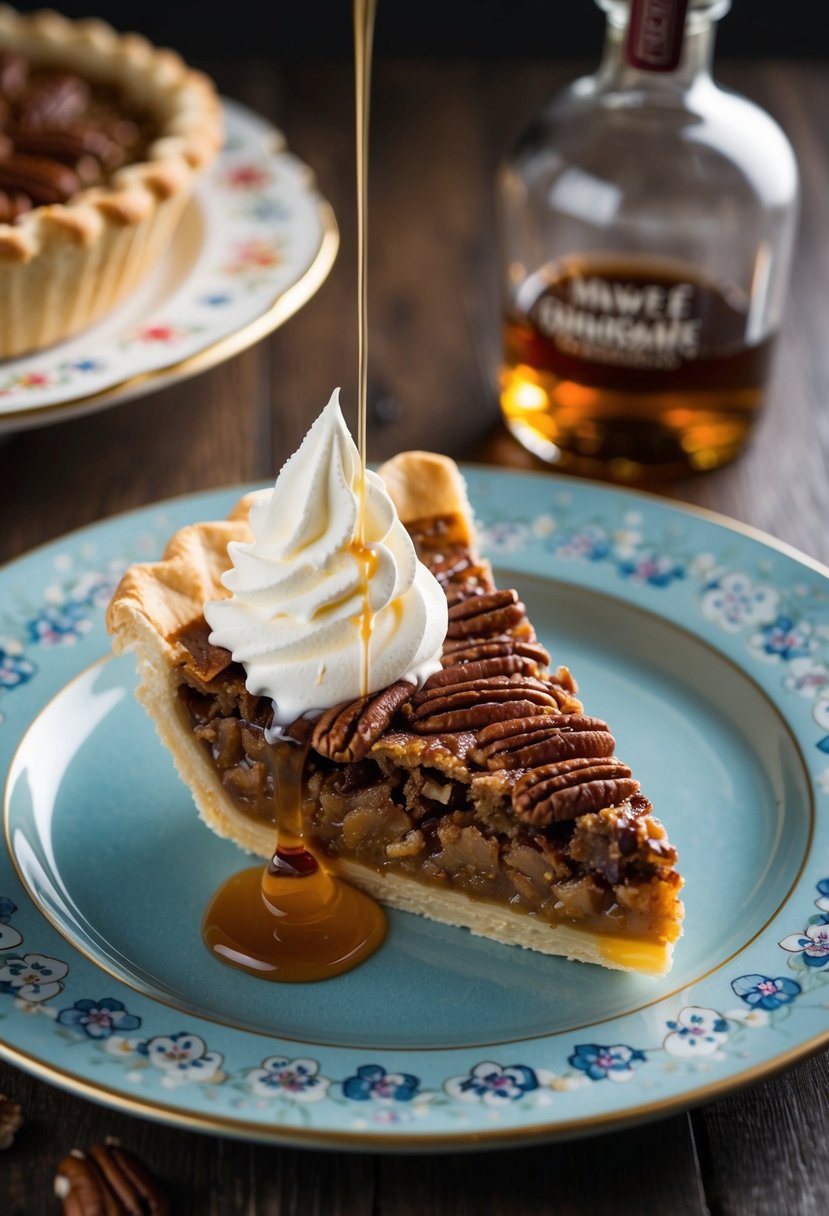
[294,921]
[631,370]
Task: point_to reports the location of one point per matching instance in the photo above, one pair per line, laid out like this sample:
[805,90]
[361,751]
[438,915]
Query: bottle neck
[616,72]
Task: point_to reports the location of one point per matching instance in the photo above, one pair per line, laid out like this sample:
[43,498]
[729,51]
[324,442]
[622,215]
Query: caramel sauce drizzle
[295,921]
[364,12]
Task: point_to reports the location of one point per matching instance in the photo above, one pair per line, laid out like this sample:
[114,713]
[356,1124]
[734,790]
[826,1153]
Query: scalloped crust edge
[64,266]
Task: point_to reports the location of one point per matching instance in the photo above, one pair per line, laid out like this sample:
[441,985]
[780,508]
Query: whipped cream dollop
[308,604]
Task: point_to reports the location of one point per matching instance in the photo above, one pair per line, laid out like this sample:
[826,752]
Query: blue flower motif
[813,945]
[611,1063]
[99,1019]
[591,544]
[763,992]
[216,300]
[493,1083]
[182,1058]
[656,569]
[784,639]
[95,590]
[60,625]
[372,1081]
[32,977]
[10,939]
[87,365]
[14,669]
[269,210]
[294,1080]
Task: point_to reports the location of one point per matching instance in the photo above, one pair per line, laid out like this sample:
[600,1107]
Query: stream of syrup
[295,921]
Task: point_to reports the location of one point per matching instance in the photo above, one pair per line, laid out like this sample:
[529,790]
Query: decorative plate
[254,244]
[707,648]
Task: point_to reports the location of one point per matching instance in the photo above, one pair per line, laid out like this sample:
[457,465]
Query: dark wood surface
[438,131]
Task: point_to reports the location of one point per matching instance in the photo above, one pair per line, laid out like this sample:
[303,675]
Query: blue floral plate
[707,648]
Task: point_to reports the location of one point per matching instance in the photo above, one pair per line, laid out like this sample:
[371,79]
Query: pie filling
[490,780]
[60,134]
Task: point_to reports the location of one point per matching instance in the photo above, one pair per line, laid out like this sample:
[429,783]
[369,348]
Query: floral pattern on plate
[737,1019]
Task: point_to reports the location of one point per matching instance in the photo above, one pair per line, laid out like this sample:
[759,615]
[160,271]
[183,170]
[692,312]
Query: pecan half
[471,716]
[468,650]
[530,743]
[42,179]
[481,616]
[108,1181]
[347,733]
[556,792]
[55,100]
[479,669]
[11,1120]
[477,700]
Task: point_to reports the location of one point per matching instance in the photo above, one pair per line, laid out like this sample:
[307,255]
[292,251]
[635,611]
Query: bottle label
[654,36]
[623,322]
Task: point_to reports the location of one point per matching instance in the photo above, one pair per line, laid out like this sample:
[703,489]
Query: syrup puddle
[291,920]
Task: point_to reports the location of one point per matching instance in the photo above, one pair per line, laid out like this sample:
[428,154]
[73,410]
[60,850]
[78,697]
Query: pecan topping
[468,650]
[55,100]
[347,733]
[471,690]
[481,616]
[68,145]
[570,788]
[58,134]
[479,669]
[45,180]
[528,744]
[108,1181]
[469,716]
[446,567]
[11,1120]
[14,72]
[13,205]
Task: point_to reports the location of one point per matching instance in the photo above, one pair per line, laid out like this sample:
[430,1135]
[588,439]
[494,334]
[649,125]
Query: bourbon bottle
[647,221]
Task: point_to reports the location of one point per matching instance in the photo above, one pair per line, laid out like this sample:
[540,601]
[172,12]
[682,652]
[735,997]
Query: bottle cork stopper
[654,35]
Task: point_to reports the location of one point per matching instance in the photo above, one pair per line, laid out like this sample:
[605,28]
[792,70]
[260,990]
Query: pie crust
[629,925]
[62,266]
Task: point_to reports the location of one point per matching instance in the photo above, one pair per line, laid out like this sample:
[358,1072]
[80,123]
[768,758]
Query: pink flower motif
[33,380]
[158,333]
[246,177]
[252,255]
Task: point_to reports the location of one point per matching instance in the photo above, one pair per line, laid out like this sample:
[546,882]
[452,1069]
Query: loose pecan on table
[108,1181]
[11,1120]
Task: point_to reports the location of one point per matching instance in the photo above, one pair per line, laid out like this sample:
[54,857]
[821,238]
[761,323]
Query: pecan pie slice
[489,798]
[102,140]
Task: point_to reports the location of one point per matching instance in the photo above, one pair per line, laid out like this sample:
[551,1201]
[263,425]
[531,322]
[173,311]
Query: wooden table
[438,131]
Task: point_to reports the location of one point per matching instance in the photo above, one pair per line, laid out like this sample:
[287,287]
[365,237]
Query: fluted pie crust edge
[156,600]
[64,266]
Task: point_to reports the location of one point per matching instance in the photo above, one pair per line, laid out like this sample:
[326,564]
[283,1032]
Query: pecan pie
[102,138]
[489,798]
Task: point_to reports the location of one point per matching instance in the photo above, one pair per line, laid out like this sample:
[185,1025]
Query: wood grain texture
[438,132]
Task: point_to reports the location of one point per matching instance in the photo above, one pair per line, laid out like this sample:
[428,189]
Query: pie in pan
[488,798]
[102,140]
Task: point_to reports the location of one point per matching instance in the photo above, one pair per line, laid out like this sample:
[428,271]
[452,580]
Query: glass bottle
[647,223]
